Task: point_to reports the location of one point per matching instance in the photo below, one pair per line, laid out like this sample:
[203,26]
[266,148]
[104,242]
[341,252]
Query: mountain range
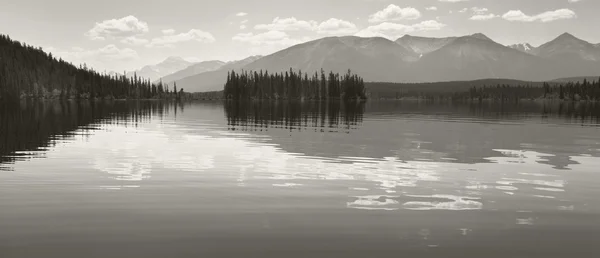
[168,66]
[412,59]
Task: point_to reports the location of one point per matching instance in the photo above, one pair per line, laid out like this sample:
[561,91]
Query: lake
[381,179]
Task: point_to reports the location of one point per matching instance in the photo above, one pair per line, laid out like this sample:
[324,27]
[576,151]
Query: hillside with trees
[29,72]
[493,89]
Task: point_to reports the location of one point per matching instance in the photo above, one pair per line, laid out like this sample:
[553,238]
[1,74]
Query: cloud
[287,24]
[483,17]
[117,28]
[133,40]
[395,13]
[481,14]
[241,14]
[272,37]
[242,27]
[575,1]
[478,10]
[267,42]
[244,21]
[331,26]
[394,30]
[101,57]
[168,40]
[431,8]
[335,26]
[560,14]
[168,31]
[464,10]
[453,1]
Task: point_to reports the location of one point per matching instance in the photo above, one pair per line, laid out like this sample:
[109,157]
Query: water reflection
[321,116]
[387,159]
[29,129]
[414,174]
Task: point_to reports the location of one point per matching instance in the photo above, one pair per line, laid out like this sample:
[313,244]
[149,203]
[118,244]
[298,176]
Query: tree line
[293,86]
[490,89]
[29,72]
[571,91]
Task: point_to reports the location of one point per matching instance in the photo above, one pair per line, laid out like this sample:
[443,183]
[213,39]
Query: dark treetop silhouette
[28,72]
[293,86]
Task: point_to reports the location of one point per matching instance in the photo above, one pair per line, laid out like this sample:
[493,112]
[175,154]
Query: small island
[249,85]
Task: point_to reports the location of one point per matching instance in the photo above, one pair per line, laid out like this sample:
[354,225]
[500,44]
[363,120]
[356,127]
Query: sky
[124,35]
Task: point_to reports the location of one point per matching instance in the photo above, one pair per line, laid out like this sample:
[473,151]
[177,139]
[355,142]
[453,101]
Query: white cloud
[242,27]
[464,10]
[481,14]
[244,22]
[267,42]
[335,26]
[241,14]
[394,30]
[117,28]
[575,1]
[431,8]
[101,57]
[560,14]
[483,17]
[395,13]
[168,31]
[453,1]
[168,40]
[272,37]
[478,10]
[133,40]
[287,24]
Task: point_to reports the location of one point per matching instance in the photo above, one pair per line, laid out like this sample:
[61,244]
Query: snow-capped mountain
[166,67]
[476,57]
[523,47]
[421,59]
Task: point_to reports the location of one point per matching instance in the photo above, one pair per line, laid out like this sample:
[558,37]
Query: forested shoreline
[293,86]
[503,92]
[27,72]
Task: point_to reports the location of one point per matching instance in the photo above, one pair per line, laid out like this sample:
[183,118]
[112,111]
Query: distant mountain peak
[481,36]
[566,35]
[524,47]
[175,59]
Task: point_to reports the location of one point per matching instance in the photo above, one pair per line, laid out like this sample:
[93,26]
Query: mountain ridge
[421,59]
[168,66]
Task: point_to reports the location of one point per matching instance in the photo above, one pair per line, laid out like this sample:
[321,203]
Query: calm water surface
[385,179]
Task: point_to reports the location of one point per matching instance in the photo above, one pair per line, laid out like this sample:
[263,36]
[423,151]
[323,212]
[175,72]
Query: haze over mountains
[168,66]
[411,59]
[202,67]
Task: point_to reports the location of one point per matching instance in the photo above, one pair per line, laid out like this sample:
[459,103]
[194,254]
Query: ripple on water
[455,203]
[374,202]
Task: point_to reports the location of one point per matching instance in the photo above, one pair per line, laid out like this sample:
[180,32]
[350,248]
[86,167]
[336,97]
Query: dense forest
[294,86]
[586,91]
[503,90]
[29,72]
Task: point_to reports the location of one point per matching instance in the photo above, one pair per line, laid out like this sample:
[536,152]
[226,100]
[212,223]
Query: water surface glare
[212,179]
